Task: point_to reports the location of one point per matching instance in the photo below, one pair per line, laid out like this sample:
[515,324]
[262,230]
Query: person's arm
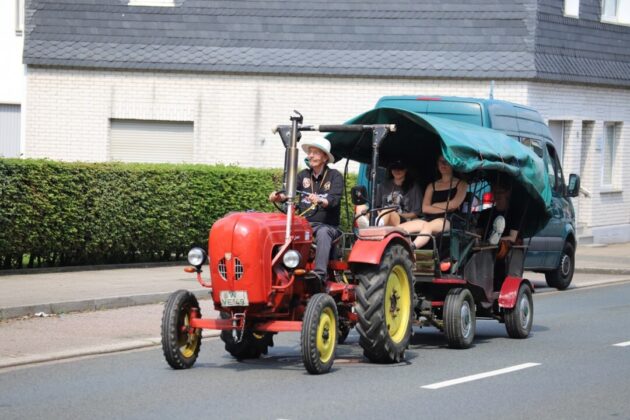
[511,237]
[415,203]
[426,201]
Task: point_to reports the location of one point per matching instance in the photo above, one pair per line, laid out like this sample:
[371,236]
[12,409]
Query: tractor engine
[242,247]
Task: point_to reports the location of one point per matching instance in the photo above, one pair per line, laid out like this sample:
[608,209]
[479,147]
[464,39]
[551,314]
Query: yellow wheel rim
[326,335]
[397,304]
[187,342]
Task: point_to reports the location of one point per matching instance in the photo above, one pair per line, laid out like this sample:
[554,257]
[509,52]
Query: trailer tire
[459,318]
[385,300]
[179,345]
[319,334]
[519,319]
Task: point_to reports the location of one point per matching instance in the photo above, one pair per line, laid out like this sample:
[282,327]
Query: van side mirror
[359,195]
[573,189]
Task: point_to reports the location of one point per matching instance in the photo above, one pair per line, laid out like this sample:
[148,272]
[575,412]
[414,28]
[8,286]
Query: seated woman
[441,197]
[397,190]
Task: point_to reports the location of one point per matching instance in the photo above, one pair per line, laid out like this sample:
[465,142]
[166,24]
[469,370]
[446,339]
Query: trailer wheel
[250,346]
[519,320]
[180,344]
[385,306]
[459,318]
[319,334]
[561,277]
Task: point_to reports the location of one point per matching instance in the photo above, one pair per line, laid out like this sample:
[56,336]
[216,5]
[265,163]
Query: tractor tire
[180,346]
[319,334]
[561,277]
[519,320]
[385,300]
[459,318]
[251,346]
[344,330]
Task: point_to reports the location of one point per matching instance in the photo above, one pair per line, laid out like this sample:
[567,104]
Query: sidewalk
[25,339]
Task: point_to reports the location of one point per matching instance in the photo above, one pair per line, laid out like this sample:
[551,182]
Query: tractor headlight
[197,257]
[291,259]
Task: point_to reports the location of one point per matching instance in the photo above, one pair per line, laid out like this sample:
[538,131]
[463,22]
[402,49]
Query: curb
[91,351]
[92,304]
[592,270]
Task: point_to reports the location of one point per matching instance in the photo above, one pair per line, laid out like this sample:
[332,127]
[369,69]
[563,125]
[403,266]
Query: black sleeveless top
[443,195]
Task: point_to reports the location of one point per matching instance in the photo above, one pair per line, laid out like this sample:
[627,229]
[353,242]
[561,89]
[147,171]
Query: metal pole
[291,173]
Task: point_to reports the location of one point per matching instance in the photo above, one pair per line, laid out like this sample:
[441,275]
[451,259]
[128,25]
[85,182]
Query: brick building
[204,81]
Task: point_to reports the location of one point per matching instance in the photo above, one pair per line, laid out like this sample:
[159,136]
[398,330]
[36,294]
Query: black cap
[397,164]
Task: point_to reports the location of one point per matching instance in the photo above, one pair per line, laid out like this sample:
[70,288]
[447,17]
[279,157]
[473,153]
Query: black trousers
[324,237]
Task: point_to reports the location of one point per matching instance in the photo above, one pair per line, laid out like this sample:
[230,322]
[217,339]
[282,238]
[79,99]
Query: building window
[609,152]
[151,141]
[616,11]
[19,17]
[572,8]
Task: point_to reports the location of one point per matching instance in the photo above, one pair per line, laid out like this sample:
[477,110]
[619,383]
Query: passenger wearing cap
[325,187]
[397,190]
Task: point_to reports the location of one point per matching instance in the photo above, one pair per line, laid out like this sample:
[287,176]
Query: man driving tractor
[322,186]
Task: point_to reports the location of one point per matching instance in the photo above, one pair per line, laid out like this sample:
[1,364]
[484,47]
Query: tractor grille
[222,269]
[238,269]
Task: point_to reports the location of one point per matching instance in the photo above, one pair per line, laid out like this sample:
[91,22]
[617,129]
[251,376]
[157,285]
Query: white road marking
[626,344]
[471,378]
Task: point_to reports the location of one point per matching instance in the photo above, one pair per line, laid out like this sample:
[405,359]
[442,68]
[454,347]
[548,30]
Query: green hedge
[54,213]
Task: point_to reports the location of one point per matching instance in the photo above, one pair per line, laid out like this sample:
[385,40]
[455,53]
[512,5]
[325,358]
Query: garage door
[9,130]
[151,141]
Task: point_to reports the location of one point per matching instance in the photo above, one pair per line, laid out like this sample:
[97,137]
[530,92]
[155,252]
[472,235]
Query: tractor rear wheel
[319,333]
[519,319]
[385,306]
[459,318]
[247,344]
[180,343]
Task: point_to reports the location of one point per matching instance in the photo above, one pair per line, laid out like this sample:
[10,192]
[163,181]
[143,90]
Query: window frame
[610,145]
[571,8]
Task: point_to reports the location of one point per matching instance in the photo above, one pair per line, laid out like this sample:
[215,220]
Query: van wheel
[561,277]
[385,302]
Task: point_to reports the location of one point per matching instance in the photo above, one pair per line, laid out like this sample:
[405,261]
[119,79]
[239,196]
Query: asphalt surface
[78,317]
[575,364]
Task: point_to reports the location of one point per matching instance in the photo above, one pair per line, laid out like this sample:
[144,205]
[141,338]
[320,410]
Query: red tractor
[259,269]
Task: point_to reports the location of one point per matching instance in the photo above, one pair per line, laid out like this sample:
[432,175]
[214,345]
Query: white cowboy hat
[320,143]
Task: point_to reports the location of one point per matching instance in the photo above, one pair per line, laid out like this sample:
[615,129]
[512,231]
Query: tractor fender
[370,251]
[509,291]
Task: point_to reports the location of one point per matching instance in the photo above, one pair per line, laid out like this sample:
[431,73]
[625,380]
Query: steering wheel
[310,211]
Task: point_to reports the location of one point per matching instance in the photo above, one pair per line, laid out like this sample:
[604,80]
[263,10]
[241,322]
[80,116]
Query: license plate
[234,298]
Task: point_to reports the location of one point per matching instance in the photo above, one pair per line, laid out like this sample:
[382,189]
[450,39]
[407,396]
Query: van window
[556,180]
[533,144]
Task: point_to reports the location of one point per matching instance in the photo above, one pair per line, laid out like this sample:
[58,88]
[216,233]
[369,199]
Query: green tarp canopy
[473,151]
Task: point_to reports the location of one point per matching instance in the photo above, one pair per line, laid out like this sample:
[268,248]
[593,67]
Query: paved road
[568,368]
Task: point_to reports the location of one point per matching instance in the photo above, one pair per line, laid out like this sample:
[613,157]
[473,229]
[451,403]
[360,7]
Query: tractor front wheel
[247,344]
[385,306]
[180,343]
[319,334]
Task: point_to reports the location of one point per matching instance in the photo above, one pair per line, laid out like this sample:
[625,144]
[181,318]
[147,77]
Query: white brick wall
[69,112]
[591,107]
